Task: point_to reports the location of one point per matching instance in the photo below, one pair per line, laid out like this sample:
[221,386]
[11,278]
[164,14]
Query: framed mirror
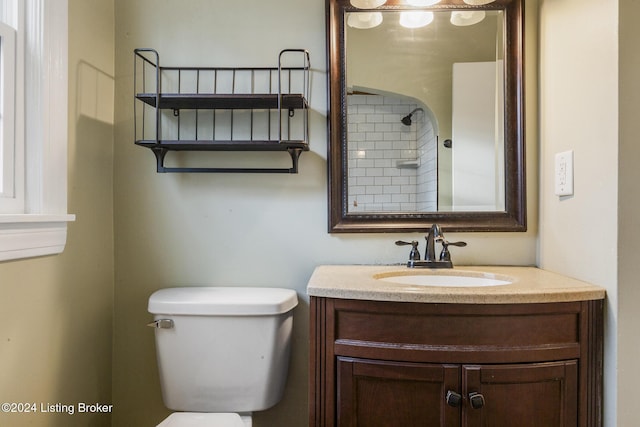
[426,120]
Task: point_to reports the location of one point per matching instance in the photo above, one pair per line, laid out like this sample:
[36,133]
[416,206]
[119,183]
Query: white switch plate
[564,173]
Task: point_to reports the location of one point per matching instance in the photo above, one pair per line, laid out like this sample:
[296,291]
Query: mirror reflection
[425,111]
[382,177]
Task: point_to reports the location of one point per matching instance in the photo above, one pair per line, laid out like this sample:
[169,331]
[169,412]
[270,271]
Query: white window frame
[12,58]
[39,227]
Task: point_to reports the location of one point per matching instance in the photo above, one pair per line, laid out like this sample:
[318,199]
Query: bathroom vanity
[526,353]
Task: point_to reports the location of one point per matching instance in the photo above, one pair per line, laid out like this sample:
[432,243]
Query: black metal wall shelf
[222,109]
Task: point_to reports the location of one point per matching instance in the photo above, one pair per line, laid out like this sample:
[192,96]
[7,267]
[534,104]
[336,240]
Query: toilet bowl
[196,419]
[222,352]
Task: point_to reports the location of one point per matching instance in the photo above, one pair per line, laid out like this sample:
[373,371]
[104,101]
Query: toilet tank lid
[229,301]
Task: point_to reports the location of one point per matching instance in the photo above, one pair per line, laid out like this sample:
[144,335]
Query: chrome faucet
[434,235]
[430,260]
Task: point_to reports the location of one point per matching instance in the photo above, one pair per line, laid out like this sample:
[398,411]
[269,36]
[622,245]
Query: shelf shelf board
[161,148]
[201,145]
[206,101]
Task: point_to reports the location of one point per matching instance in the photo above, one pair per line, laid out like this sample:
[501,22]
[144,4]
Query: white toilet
[223,352]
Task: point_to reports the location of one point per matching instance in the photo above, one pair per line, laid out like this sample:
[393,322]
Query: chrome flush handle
[161,324]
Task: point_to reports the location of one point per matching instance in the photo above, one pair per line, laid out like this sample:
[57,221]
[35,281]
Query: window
[33,118]
[7,98]
[10,200]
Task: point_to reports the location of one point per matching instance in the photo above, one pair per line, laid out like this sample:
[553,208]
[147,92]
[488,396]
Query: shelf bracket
[295,156]
[160,153]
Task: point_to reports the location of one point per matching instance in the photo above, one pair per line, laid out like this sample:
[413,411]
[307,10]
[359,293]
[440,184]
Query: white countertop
[528,285]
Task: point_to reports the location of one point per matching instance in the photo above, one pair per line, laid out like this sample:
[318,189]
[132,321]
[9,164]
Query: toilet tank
[222,349]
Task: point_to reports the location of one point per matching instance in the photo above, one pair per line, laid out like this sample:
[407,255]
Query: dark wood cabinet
[382,394]
[534,394]
[413,364]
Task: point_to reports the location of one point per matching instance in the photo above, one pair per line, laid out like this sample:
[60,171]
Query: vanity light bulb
[364,20]
[422,3]
[367,4]
[415,19]
[478,2]
[465,18]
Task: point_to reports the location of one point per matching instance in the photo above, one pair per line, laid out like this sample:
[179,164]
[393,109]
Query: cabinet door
[527,395]
[383,394]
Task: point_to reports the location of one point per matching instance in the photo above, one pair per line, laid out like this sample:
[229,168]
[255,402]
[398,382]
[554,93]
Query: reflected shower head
[406,120]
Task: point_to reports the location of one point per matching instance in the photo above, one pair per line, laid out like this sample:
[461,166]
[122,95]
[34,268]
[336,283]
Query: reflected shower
[406,120]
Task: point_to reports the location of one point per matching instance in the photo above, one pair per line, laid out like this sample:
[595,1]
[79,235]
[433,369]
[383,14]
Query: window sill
[31,235]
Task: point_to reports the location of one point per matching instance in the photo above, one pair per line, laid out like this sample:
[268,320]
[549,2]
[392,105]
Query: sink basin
[441,278]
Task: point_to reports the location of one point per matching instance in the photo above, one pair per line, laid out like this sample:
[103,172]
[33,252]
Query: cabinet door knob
[453,399]
[476,400]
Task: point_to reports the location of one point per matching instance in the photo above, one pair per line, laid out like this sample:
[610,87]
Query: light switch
[564,173]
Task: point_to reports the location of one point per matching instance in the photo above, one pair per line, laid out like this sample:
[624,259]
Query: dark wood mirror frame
[514,216]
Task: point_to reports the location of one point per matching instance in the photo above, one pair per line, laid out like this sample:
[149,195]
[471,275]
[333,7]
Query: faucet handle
[460,244]
[445,255]
[414,255]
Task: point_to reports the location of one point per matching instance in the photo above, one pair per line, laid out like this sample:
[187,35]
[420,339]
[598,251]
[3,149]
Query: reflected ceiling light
[478,2]
[422,3]
[364,20]
[415,19]
[463,18]
[367,4]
